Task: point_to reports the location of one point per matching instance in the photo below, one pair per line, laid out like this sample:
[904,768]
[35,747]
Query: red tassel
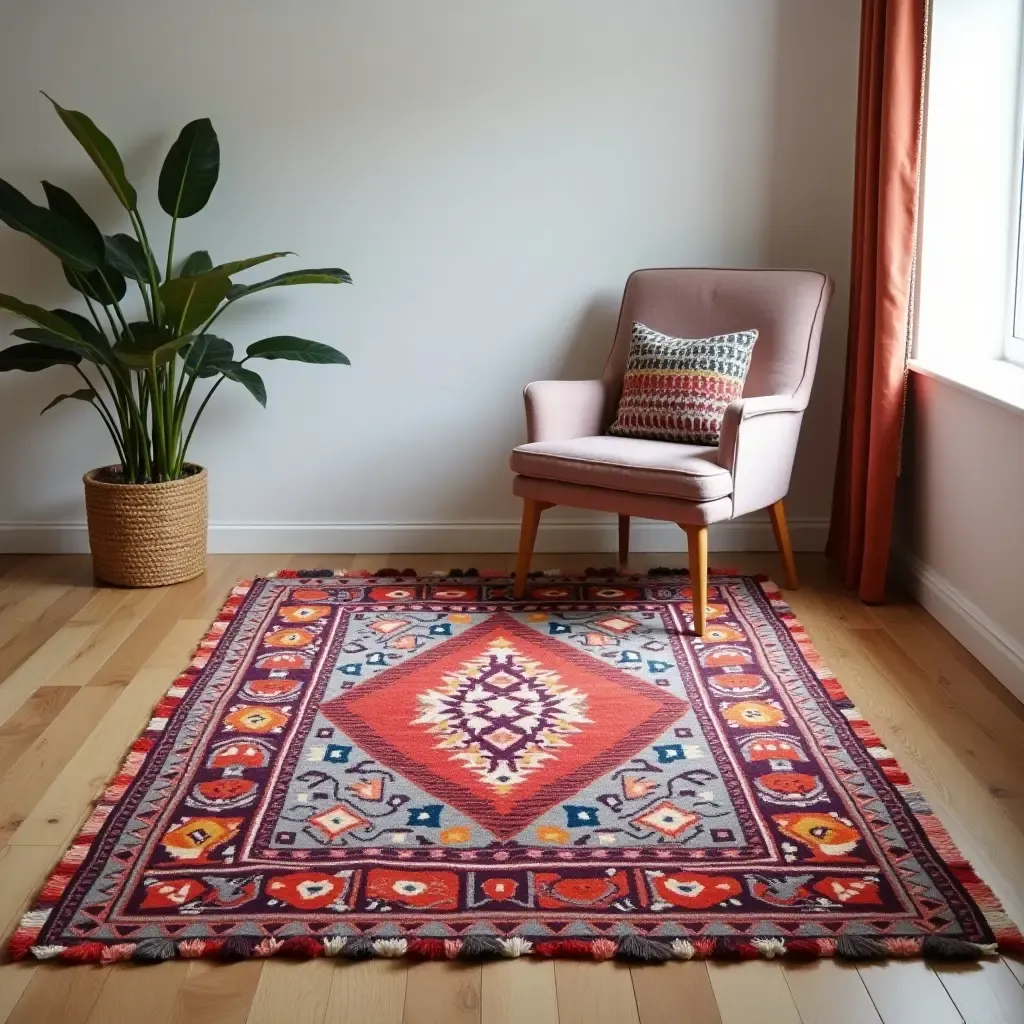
[20,944]
[302,947]
[83,953]
[803,949]
[427,949]
[54,887]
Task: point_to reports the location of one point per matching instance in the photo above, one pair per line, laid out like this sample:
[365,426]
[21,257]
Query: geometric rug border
[477,941]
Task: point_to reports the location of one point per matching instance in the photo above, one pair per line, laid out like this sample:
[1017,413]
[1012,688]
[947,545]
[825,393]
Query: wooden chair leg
[781,531]
[623,543]
[697,544]
[527,536]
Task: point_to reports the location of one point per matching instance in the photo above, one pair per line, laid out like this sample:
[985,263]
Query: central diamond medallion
[503,715]
[501,722]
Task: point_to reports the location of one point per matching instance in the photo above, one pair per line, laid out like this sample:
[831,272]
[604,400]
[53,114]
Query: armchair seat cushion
[686,471]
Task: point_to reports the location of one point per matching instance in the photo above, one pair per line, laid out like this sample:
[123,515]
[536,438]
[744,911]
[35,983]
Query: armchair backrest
[786,306]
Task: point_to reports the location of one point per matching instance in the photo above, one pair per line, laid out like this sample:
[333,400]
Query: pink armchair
[570,460]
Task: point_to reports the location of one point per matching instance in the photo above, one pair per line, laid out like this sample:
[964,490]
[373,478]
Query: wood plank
[21,873]
[134,993]
[367,992]
[35,771]
[972,746]
[520,991]
[121,667]
[442,993]
[752,991]
[662,992]
[32,634]
[66,802]
[215,993]
[984,993]
[61,994]
[38,667]
[828,992]
[594,993]
[1016,968]
[28,723]
[960,675]
[80,668]
[908,992]
[292,992]
[14,981]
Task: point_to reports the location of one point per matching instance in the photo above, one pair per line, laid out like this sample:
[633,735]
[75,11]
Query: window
[1014,351]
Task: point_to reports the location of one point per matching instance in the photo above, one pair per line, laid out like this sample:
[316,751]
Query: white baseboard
[432,538]
[1001,653]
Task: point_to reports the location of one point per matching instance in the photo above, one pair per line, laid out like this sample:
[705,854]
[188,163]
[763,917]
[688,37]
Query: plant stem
[118,389]
[154,280]
[108,421]
[170,249]
[199,412]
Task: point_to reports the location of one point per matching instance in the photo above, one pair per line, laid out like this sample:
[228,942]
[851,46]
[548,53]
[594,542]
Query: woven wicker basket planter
[147,535]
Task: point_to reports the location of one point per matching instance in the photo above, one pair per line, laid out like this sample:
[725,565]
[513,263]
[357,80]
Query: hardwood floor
[81,666]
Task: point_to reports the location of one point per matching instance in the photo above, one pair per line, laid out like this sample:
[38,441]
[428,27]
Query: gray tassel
[860,947]
[235,947]
[636,950]
[950,949]
[481,947]
[359,949]
[154,951]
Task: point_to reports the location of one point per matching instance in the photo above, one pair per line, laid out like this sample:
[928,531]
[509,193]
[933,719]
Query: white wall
[488,172]
[960,535]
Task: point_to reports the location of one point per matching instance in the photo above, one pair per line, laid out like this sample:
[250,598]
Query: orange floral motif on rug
[391,765]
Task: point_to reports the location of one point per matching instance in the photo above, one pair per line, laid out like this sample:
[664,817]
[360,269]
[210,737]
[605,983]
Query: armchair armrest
[758,445]
[559,410]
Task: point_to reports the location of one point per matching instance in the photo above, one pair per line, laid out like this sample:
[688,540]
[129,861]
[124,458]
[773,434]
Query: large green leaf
[189,301]
[251,380]
[33,357]
[207,354]
[105,285]
[325,275]
[85,327]
[39,316]
[82,395]
[66,240]
[86,349]
[237,266]
[196,263]
[65,205]
[301,350]
[147,345]
[126,255]
[101,151]
[190,170]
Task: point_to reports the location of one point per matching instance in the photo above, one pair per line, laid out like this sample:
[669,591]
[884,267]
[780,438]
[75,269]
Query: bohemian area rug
[378,766]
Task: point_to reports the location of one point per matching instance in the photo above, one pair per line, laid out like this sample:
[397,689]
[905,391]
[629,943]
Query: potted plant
[140,363]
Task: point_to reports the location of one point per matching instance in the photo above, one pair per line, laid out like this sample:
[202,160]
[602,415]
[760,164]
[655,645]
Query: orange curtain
[888,154]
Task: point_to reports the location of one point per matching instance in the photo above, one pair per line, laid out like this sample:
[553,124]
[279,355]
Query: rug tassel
[860,947]
[950,949]
[636,950]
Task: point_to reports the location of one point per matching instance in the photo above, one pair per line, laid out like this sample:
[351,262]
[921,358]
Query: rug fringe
[631,949]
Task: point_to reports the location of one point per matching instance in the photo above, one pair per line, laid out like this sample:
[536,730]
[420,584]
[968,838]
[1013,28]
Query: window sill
[995,380]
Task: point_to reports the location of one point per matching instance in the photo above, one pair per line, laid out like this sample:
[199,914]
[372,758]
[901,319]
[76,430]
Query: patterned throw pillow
[676,389]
